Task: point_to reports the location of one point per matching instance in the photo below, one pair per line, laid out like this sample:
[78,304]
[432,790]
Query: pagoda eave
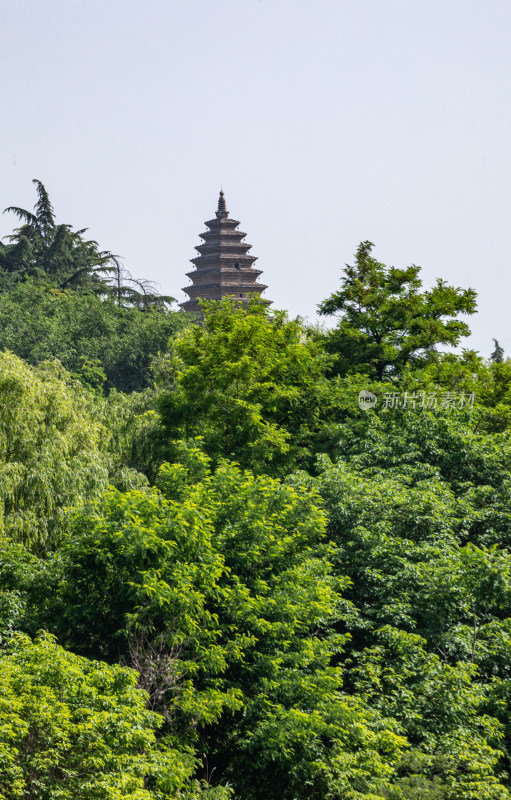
[223,267]
[229,288]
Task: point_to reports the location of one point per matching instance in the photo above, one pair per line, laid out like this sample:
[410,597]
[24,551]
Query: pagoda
[223,267]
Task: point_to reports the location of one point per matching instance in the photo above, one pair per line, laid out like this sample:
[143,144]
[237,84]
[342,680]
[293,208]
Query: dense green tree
[95,339]
[387,321]
[220,592]
[41,248]
[492,388]
[456,749]
[79,730]
[51,450]
[218,589]
[488,382]
[336,633]
[251,383]
[55,255]
[418,509]
[18,573]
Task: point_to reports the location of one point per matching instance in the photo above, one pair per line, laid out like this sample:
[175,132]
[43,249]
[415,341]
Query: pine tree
[498,354]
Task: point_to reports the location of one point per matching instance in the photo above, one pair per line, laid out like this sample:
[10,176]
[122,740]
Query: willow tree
[51,450]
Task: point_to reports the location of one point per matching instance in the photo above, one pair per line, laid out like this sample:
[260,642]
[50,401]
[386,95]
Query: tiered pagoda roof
[223,267]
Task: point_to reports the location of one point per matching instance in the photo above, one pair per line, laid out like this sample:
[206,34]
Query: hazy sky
[327,122]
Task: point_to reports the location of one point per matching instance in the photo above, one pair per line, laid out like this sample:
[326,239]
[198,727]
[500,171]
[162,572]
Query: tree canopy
[103,345]
[63,297]
[224,575]
[51,450]
[78,729]
[40,248]
[252,384]
[387,322]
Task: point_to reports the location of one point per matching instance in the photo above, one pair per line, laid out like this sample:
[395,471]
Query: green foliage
[94,338]
[419,511]
[219,591]
[498,353]
[251,383]
[494,395]
[18,570]
[54,253]
[489,382]
[78,730]
[387,322]
[61,297]
[441,709]
[50,451]
[337,633]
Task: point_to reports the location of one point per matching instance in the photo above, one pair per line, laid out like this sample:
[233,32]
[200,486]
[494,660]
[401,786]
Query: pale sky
[327,122]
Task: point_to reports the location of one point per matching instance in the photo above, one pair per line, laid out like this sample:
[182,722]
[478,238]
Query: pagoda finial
[222,208]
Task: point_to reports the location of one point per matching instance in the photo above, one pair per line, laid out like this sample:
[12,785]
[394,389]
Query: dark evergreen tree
[498,354]
[41,248]
[57,255]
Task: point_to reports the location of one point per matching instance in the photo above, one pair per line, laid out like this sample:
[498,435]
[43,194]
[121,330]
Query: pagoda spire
[223,267]
[222,208]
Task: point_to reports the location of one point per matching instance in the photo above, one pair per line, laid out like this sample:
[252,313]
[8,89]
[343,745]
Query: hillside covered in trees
[248,558]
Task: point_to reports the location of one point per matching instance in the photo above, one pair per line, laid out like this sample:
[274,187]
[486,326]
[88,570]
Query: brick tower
[222,268]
